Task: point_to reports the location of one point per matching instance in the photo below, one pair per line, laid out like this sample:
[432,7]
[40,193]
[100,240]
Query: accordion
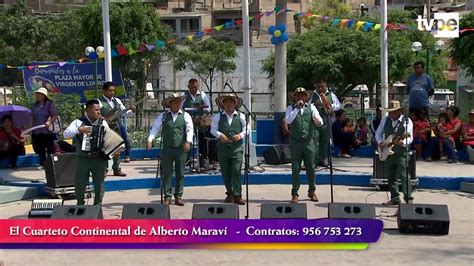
[102,142]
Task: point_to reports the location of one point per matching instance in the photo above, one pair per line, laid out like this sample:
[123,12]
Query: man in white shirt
[230,128]
[401,127]
[302,117]
[176,128]
[195,99]
[327,103]
[91,161]
[112,109]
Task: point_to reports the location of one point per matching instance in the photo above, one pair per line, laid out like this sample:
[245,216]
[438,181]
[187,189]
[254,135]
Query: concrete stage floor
[457,248]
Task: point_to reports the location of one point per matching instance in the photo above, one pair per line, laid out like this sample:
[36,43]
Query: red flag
[238,22]
[121,49]
[207,31]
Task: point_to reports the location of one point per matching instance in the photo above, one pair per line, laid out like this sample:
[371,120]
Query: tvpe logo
[443,25]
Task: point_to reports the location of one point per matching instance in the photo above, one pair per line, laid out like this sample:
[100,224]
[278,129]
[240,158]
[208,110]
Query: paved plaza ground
[457,248]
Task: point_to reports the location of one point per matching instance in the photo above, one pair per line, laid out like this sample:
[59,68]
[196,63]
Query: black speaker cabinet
[283,211]
[215,211]
[423,219]
[278,154]
[77,212]
[60,170]
[145,211]
[351,211]
[379,170]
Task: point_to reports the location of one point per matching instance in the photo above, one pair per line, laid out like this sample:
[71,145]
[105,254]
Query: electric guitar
[389,142]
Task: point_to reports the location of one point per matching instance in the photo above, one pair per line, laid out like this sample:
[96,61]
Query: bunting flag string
[122,50]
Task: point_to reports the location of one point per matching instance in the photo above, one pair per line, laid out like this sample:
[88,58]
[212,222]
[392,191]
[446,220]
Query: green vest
[302,128]
[173,132]
[106,108]
[190,103]
[77,140]
[319,105]
[230,130]
[388,129]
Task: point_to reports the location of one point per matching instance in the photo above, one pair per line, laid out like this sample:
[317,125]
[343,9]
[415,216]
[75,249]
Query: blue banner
[72,78]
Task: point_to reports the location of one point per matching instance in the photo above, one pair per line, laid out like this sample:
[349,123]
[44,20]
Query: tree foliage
[348,57]
[462,48]
[330,8]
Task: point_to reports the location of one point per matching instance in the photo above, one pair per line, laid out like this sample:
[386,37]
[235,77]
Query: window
[171,23]
[190,25]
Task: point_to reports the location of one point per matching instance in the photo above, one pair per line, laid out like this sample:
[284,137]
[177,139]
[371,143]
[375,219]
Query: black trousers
[43,143]
[14,150]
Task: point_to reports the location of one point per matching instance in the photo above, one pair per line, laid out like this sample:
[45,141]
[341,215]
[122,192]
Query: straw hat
[173,97]
[471,112]
[235,98]
[393,106]
[43,91]
[299,90]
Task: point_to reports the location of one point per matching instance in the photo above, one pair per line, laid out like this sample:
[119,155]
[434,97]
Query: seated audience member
[444,139]
[421,130]
[374,124]
[468,136]
[346,141]
[453,113]
[11,142]
[361,131]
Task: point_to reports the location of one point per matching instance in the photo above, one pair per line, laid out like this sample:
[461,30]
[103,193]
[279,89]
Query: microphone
[226,83]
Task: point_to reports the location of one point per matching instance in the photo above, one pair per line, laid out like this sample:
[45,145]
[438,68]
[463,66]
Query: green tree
[329,8]
[206,57]
[462,48]
[348,57]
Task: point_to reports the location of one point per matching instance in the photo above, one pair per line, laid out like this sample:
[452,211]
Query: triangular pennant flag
[377,26]
[30,67]
[359,24]
[199,34]
[150,47]
[171,41]
[251,18]
[72,61]
[8,66]
[43,66]
[160,44]
[238,22]
[268,13]
[350,23]
[277,9]
[259,15]
[114,52]
[20,67]
[308,14]
[207,31]
[336,21]
[190,38]
[121,49]
[142,49]
[218,28]
[228,24]
[62,63]
[367,26]
[132,51]
[343,22]
[299,14]
[280,12]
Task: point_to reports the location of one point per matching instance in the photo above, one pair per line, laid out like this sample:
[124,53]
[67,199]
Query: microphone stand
[408,178]
[158,166]
[331,169]
[248,114]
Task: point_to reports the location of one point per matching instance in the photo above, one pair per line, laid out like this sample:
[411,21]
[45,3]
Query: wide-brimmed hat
[43,91]
[220,100]
[393,106]
[173,97]
[471,112]
[298,90]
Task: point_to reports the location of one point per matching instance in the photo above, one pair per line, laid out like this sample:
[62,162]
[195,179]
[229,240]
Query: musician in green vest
[230,127]
[176,128]
[88,162]
[112,109]
[327,103]
[195,99]
[302,117]
[401,128]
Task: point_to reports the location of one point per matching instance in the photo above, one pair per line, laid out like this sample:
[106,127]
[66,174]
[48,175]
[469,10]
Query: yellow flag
[359,24]
[190,38]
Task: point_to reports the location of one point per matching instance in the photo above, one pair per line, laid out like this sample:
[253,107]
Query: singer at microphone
[196,101]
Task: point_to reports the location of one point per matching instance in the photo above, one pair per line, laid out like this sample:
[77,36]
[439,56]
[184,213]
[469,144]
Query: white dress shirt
[204,97]
[215,124]
[158,123]
[112,104]
[336,104]
[73,129]
[291,113]
[380,135]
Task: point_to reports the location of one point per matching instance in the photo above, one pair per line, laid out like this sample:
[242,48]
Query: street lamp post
[95,54]
[438,47]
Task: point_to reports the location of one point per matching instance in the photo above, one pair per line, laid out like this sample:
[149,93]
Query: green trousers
[302,151]
[84,167]
[321,142]
[395,170]
[170,156]
[231,164]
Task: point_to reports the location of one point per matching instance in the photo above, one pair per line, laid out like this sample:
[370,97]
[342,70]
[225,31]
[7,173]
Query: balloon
[271,29]
[275,40]
[281,27]
[284,37]
[277,33]
[100,51]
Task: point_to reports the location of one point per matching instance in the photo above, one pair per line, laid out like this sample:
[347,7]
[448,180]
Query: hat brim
[392,109]
[40,92]
[292,94]
[220,101]
[167,101]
